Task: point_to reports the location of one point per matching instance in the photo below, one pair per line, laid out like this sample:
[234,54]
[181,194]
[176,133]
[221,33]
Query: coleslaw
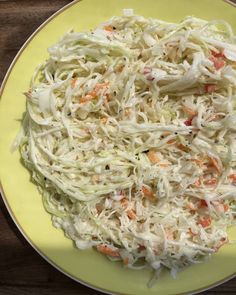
[130,136]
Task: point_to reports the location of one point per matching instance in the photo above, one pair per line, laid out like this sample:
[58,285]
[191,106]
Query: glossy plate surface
[24,201]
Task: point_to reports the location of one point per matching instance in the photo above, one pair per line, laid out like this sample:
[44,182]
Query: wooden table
[22,270]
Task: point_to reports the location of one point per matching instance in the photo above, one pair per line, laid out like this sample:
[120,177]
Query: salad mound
[130,136]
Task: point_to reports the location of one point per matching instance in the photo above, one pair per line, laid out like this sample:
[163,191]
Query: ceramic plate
[21,196]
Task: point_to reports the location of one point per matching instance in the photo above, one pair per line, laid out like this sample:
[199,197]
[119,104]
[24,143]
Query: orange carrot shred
[105,249]
[108,28]
[124,202]
[205,221]
[99,208]
[171,141]
[183,147]
[164,165]
[104,120]
[100,86]
[93,94]
[226,207]
[153,157]
[148,193]
[119,68]
[84,99]
[131,214]
[189,111]
[215,164]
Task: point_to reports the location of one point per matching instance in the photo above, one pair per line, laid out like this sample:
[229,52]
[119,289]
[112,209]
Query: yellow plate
[21,196]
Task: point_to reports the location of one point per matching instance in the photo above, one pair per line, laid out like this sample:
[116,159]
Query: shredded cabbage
[130,135]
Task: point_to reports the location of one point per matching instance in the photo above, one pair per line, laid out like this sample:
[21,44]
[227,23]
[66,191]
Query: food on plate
[130,132]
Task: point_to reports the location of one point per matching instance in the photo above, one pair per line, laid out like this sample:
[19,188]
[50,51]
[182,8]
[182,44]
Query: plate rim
[4,197]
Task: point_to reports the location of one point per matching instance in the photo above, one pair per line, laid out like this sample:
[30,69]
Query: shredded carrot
[189,111]
[100,86]
[93,94]
[85,99]
[124,202]
[148,193]
[183,147]
[171,141]
[119,68]
[108,28]
[153,157]
[205,221]
[99,208]
[164,165]
[105,249]
[232,177]
[226,207]
[215,164]
[131,214]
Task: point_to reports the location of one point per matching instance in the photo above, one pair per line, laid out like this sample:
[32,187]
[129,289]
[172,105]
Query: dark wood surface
[22,270]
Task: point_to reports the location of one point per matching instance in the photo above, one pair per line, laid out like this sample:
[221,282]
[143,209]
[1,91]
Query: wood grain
[22,270]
